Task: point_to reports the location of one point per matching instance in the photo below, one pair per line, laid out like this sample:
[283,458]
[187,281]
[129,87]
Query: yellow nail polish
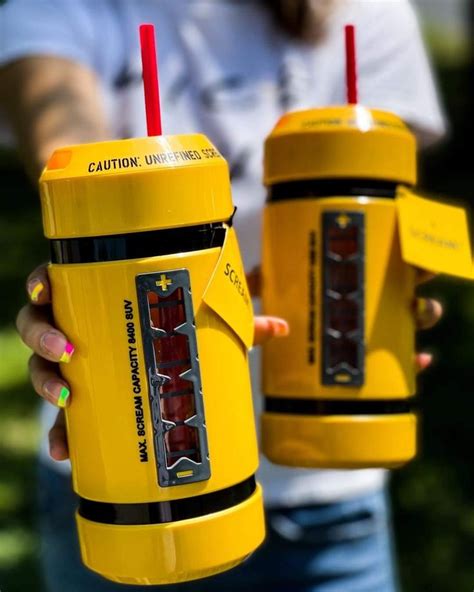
[35,291]
[421,306]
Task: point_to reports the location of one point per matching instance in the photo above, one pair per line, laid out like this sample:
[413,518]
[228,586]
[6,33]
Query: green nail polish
[63,397]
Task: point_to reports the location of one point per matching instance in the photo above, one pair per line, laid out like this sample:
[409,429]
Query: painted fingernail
[56,345]
[35,287]
[67,354]
[63,397]
[280,328]
[421,306]
[57,393]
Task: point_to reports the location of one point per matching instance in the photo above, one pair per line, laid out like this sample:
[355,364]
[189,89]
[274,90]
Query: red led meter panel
[170,347]
[343,299]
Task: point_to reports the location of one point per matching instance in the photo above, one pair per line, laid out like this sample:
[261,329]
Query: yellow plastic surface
[88,301]
[176,551]
[339,441]
[173,181]
[350,141]
[389,294]
[227,292]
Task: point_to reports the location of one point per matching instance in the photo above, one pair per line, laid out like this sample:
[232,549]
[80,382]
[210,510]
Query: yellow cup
[338,389]
[160,425]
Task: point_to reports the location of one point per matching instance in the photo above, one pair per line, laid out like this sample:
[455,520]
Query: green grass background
[21,248]
[433,497]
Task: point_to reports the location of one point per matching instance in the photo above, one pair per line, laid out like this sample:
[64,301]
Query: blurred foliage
[448,48]
[22,247]
[433,497]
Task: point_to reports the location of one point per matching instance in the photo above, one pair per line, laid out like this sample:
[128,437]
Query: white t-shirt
[227,71]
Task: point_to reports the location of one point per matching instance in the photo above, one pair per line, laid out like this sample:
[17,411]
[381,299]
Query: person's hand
[51,347]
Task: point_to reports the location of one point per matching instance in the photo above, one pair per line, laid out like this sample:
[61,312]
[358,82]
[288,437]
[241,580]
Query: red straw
[150,80]
[351,65]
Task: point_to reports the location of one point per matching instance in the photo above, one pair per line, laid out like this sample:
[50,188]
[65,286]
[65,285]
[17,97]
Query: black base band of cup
[338,407]
[165,512]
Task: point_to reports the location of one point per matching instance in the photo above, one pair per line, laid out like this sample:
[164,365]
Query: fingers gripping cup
[160,427]
[342,233]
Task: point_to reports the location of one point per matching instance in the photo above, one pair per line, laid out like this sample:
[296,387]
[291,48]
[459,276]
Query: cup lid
[350,141]
[134,185]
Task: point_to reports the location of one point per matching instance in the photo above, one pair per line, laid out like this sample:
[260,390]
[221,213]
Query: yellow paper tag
[227,292]
[434,235]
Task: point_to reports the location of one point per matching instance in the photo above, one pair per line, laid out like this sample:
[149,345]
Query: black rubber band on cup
[165,512]
[338,407]
[314,188]
[137,245]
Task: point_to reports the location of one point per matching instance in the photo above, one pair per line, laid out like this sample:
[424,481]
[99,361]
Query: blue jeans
[338,547]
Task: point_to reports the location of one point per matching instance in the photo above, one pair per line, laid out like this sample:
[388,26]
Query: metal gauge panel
[343,299]
[174,380]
